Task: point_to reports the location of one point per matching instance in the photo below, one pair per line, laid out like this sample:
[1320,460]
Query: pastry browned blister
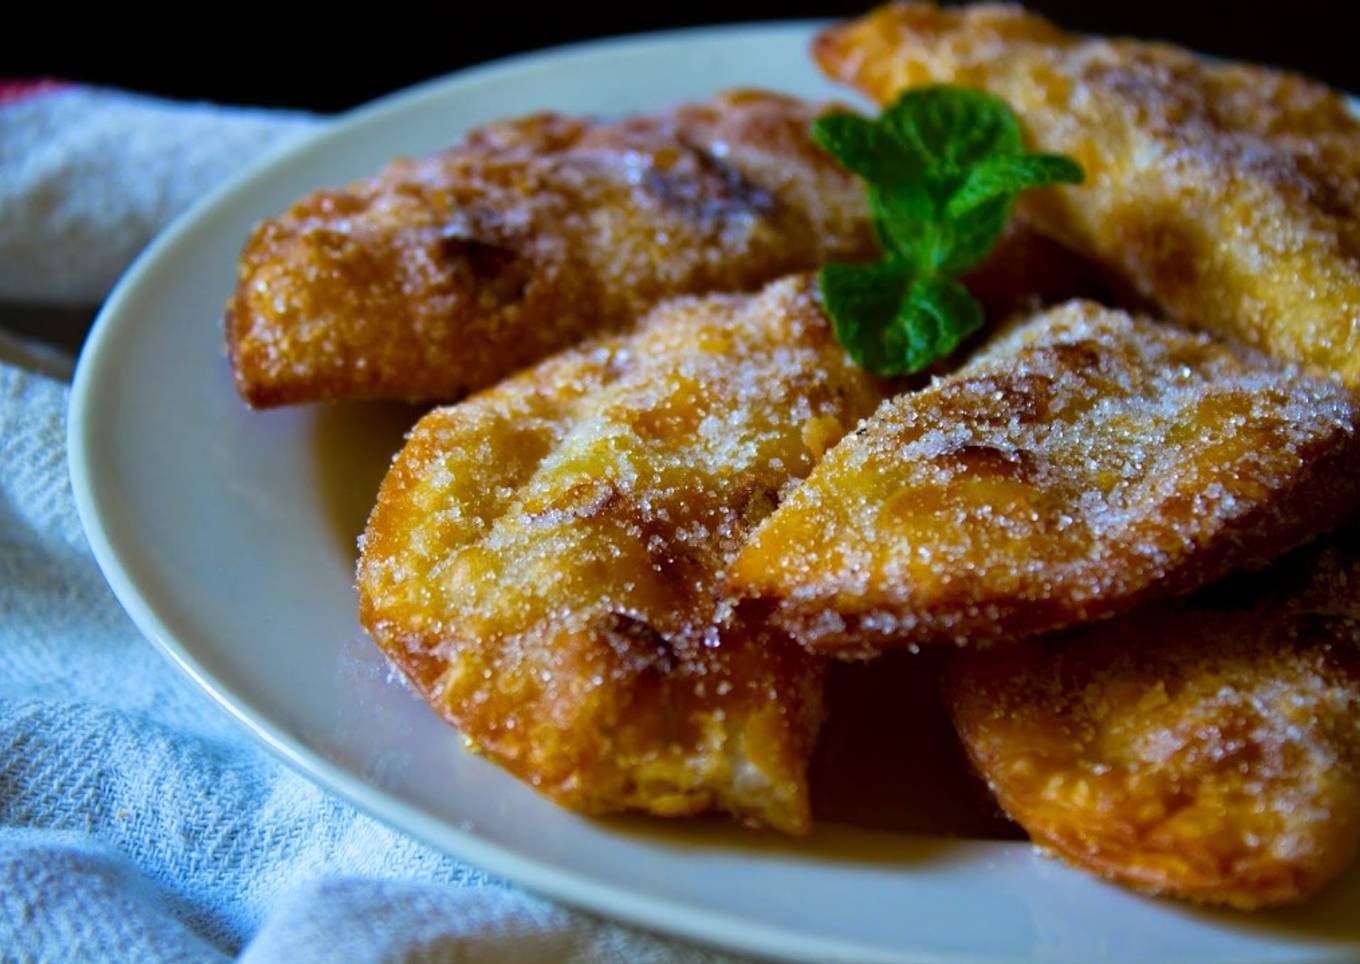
[544,561]
[1209,752]
[443,274]
[1084,463]
[1229,194]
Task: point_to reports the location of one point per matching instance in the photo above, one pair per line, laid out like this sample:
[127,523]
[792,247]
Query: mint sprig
[944,166]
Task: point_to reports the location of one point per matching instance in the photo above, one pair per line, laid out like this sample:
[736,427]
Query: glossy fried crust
[1210,755]
[544,559]
[443,274]
[1083,464]
[1229,194]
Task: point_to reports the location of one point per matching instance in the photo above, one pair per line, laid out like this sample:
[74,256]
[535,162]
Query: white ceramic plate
[228,536]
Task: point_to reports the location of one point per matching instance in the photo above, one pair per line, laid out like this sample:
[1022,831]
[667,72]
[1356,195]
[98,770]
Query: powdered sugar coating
[1202,753]
[443,274]
[544,559]
[1081,464]
[1228,194]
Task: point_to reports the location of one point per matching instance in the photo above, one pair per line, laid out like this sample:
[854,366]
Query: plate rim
[572,888]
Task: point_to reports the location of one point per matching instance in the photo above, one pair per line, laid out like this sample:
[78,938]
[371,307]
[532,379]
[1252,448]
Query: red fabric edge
[21,88]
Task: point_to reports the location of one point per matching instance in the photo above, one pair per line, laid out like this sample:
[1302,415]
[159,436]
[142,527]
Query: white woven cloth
[88,176]
[137,822]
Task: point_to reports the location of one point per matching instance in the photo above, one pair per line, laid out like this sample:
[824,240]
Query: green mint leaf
[949,129]
[968,239]
[864,148]
[996,176]
[936,317]
[862,300]
[906,223]
[893,322]
[944,166]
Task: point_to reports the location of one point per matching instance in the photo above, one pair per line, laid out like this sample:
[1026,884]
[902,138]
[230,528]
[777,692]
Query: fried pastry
[1084,463]
[1228,194]
[443,274]
[544,559]
[1206,753]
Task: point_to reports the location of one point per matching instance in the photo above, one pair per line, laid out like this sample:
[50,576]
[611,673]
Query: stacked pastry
[622,567]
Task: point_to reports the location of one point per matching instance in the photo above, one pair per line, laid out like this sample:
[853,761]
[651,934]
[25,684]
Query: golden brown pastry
[443,274]
[1082,464]
[1206,753]
[544,559]
[1229,194]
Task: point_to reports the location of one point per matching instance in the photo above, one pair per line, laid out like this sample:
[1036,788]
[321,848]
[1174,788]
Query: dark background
[342,56]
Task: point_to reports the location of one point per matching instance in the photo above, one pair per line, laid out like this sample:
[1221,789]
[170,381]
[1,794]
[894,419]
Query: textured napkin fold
[137,822]
[88,176]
